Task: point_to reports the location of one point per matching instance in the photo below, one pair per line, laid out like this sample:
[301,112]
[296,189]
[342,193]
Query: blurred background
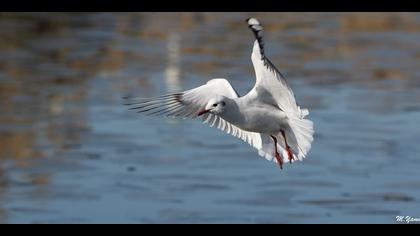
[70,152]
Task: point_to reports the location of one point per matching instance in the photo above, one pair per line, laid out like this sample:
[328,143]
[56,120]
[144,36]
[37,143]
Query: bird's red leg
[289,152]
[279,158]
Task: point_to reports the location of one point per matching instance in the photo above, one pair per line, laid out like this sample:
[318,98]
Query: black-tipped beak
[203,112]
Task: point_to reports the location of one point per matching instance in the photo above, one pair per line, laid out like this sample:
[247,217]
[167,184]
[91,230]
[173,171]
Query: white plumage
[267,118]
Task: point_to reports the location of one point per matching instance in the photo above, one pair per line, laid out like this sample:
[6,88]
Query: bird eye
[223,103]
[214,105]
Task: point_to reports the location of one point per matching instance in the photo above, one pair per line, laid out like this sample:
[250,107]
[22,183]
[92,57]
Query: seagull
[267,117]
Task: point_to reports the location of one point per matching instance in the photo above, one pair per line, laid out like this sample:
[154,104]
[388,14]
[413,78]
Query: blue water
[72,153]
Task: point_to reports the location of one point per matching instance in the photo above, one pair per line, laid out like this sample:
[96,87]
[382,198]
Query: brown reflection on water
[392,21]
[42,99]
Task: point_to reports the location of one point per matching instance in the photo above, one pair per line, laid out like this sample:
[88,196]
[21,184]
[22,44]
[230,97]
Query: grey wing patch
[269,99]
[273,69]
[278,74]
[165,105]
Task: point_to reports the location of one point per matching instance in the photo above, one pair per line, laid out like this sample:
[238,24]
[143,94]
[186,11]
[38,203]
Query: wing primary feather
[223,125]
[149,108]
[228,128]
[161,96]
[234,130]
[150,103]
[207,119]
[156,105]
[175,112]
[214,121]
[182,111]
[151,100]
[219,124]
[273,68]
[257,29]
[190,113]
[165,110]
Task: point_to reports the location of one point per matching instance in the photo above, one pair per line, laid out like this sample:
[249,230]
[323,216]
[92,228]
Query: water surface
[70,152]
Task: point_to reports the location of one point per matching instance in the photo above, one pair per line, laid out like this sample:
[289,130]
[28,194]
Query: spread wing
[185,104]
[270,86]
[189,103]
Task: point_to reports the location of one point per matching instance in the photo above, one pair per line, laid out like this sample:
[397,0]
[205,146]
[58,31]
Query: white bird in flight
[267,117]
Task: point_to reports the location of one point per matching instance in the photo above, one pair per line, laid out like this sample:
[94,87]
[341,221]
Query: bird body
[254,115]
[267,117]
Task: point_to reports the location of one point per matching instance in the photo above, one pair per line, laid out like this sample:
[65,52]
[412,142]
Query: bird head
[216,105]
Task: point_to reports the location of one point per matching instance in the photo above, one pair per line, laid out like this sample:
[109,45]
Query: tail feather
[303,130]
[299,137]
[303,112]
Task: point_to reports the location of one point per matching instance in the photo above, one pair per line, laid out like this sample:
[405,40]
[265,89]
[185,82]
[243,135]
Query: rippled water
[70,152]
